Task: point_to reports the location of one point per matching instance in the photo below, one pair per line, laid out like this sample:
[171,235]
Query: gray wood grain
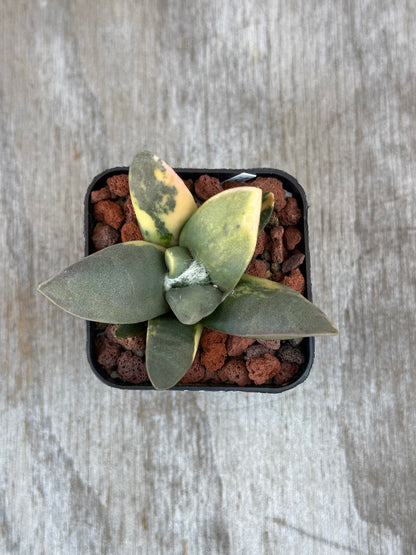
[323,90]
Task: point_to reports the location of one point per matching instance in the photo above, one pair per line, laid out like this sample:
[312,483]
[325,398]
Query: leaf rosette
[188,273]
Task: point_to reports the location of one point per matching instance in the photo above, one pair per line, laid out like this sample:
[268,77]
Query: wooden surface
[323,90]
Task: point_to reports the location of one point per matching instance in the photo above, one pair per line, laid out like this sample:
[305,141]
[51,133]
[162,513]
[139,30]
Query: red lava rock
[189,184]
[210,336]
[261,244]
[295,280]
[271,185]
[101,194]
[263,368]
[292,237]
[136,343]
[213,377]
[274,220]
[119,185]
[105,236]
[267,185]
[293,262]
[214,351]
[287,371]
[235,370]
[237,345]
[291,214]
[278,275]
[107,352]
[132,368]
[109,212]
[278,249]
[131,232]
[288,353]
[257,350]
[222,375]
[206,187]
[257,268]
[272,344]
[276,233]
[129,214]
[196,372]
[213,356]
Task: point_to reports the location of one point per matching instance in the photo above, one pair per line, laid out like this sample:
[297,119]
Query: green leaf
[263,309]
[160,198]
[170,350]
[121,284]
[267,207]
[190,304]
[222,234]
[177,260]
[130,330]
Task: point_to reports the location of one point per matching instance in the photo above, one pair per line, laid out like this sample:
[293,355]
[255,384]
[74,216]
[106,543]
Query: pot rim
[291,185]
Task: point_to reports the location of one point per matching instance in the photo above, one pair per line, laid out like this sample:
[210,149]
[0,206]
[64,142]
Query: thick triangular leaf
[222,234]
[160,198]
[170,350]
[191,304]
[267,207]
[263,309]
[121,284]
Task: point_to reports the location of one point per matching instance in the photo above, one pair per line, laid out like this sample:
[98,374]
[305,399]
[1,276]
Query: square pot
[307,345]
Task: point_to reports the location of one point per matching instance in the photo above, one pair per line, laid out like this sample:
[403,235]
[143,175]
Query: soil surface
[221,359]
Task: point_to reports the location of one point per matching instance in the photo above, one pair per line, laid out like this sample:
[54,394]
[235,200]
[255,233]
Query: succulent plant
[187,274]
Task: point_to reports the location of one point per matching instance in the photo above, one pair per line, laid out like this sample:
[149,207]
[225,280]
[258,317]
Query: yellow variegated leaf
[160,198]
[266,210]
[222,234]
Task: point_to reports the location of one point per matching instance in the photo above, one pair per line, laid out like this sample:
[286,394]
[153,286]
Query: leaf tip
[43,288]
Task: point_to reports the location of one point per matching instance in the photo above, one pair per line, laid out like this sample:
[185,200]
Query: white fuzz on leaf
[195,274]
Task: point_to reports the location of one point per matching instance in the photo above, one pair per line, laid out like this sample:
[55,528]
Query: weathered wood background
[323,90]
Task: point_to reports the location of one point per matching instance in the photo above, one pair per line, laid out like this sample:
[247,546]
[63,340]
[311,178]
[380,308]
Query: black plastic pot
[308,344]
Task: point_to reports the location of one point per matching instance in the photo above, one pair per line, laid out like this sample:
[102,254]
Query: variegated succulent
[187,274]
